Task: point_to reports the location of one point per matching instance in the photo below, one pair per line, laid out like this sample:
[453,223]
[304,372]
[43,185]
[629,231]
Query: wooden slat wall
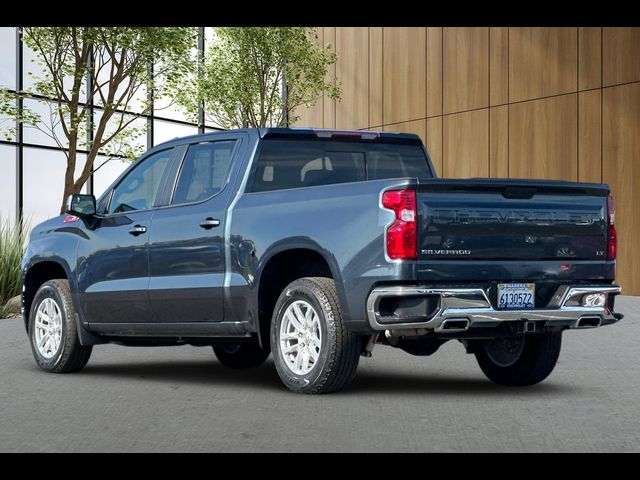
[621,168]
[466,69]
[504,102]
[353,72]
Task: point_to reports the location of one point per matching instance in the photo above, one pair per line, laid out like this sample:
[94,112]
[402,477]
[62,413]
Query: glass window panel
[49,125]
[167,108]
[31,67]
[8,57]
[164,131]
[139,189]
[286,164]
[35,70]
[210,122]
[108,170]
[119,146]
[204,171]
[43,182]
[137,102]
[7,182]
[7,127]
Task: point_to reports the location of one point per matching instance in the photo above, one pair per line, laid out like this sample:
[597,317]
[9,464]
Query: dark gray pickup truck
[315,245]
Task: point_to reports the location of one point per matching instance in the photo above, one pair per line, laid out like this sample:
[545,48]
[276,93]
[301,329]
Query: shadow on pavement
[409,383]
[190,372]
[366,381]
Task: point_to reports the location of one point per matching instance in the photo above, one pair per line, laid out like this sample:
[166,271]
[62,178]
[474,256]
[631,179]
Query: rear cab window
[285,163]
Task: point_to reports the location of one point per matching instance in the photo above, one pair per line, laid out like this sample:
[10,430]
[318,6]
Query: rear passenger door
[186,245]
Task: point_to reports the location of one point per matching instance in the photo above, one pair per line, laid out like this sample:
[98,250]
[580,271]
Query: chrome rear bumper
[460,309]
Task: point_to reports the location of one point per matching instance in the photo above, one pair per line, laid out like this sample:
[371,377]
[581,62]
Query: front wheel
[519,361]
[313,350]
[53,332]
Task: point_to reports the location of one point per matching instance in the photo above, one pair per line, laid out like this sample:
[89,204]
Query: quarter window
[204,171]
[138,190]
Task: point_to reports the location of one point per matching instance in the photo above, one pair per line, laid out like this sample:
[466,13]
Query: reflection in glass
[164,131]
[7,182]
[8,57]
[43,182]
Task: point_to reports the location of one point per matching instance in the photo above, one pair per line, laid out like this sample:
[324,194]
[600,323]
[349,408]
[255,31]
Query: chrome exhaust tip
[455,325]
[588,322]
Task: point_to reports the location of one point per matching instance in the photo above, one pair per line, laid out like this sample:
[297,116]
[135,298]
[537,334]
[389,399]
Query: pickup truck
[316,245]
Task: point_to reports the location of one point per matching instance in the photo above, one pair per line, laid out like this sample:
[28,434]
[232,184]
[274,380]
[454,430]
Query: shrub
[12,241]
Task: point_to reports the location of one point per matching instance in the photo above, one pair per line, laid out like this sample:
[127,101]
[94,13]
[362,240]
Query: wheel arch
[284,265]
[36,274]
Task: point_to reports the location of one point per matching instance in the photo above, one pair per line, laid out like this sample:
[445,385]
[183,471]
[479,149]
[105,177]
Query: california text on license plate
[516,295]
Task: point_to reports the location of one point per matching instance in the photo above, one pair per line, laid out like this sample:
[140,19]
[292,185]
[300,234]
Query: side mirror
[81,205]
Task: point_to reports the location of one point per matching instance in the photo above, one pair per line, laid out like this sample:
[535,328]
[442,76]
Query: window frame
[172,189]
[161,187]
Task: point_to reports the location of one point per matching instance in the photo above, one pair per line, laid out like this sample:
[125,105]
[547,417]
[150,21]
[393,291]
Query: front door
[113,265]
[186,246]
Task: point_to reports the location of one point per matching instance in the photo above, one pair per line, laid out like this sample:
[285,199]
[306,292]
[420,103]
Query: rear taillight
[612,236]
[402,234]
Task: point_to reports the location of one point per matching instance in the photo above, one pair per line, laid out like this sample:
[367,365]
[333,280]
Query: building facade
[554,103]
[32,165]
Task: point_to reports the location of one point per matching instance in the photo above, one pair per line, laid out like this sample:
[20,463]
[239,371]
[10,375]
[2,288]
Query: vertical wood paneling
[589,137]
[621,124]
[404,78]
[309,117]
[466,144]
[621,55]
[434,143]
[312,116]
[499,66]
[589,57]
[419,127]
[543,139]
[499,142]
[434,71]
[542,62]
[353,110]
[375,76]
[330,105]
[466,68]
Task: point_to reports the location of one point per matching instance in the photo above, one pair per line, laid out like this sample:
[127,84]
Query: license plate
[516,295]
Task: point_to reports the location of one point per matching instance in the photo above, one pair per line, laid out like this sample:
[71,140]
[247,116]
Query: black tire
[241,355]
[535,362]
[339,352]
[70,355]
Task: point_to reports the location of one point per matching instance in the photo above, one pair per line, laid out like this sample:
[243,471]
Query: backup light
[594,300]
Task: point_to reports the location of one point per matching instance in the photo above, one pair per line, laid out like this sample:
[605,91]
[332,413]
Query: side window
[204,171]
[138,190]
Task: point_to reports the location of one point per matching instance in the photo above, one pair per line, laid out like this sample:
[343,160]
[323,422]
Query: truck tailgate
[511,220]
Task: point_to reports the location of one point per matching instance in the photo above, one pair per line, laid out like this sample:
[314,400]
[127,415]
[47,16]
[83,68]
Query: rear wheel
[313,350]
[241,355]
[519,361]
[53,333]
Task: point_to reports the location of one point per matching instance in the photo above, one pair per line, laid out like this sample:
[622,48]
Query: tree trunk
[70,187]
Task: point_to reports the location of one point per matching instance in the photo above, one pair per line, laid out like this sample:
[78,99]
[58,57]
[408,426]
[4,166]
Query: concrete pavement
[182,399]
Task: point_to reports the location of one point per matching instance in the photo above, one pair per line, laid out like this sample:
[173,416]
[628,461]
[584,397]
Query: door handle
[208,223]
[138,230]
